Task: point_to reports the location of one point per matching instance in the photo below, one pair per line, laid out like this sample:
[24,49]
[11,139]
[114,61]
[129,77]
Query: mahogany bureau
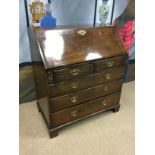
[78,73]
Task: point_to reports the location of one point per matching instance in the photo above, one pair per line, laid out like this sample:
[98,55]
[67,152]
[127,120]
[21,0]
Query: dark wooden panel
[86,82]
[85,109]
[40,76]
[104,64]
[73,72]
[62,102]
[78,74]
[65,46]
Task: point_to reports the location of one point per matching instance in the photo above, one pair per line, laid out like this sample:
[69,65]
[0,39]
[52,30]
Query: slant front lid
[61,47]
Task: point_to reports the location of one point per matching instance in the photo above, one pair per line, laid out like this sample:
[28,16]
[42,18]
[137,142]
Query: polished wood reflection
[61,47]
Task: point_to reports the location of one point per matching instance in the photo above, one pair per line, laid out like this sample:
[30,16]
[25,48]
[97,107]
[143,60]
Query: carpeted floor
[107,133]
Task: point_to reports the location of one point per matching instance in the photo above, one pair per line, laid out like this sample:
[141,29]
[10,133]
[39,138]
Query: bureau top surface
[61,47]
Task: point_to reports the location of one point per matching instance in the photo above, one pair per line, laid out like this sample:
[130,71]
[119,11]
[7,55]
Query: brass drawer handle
[104,103]
[50,75]
[74,99]
[110,63]
[108,76]
[74,71]
[82,32]
[74,85]
[74,113]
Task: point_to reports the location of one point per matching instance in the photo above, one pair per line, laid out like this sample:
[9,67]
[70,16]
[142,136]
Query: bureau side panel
[40,77]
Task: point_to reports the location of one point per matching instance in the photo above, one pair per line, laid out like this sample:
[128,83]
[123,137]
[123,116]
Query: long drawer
[62,102]
[82,110]
[85,82]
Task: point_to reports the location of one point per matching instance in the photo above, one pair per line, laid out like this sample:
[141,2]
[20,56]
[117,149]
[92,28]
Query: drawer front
[69,100]
[109,63]
[72,72]
[86,82]
[77,112]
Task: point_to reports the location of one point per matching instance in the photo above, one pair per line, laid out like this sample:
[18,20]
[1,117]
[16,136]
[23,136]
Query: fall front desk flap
[60,47]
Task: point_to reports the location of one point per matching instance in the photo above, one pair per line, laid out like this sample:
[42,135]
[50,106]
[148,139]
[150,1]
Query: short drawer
[69,73]
[86,82]
[104,64]
[62,102]
[82,110]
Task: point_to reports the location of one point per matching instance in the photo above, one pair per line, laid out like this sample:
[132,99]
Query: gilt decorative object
[37,11]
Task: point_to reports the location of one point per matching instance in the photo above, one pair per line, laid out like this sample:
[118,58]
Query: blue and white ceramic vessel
[103,12]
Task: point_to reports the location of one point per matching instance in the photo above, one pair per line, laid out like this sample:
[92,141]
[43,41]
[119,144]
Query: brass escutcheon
[104,103]
[74,113]
[82,32]
[74,85]
[74,99]
[110,63]
[74,71]
[50,75]
[108,76]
